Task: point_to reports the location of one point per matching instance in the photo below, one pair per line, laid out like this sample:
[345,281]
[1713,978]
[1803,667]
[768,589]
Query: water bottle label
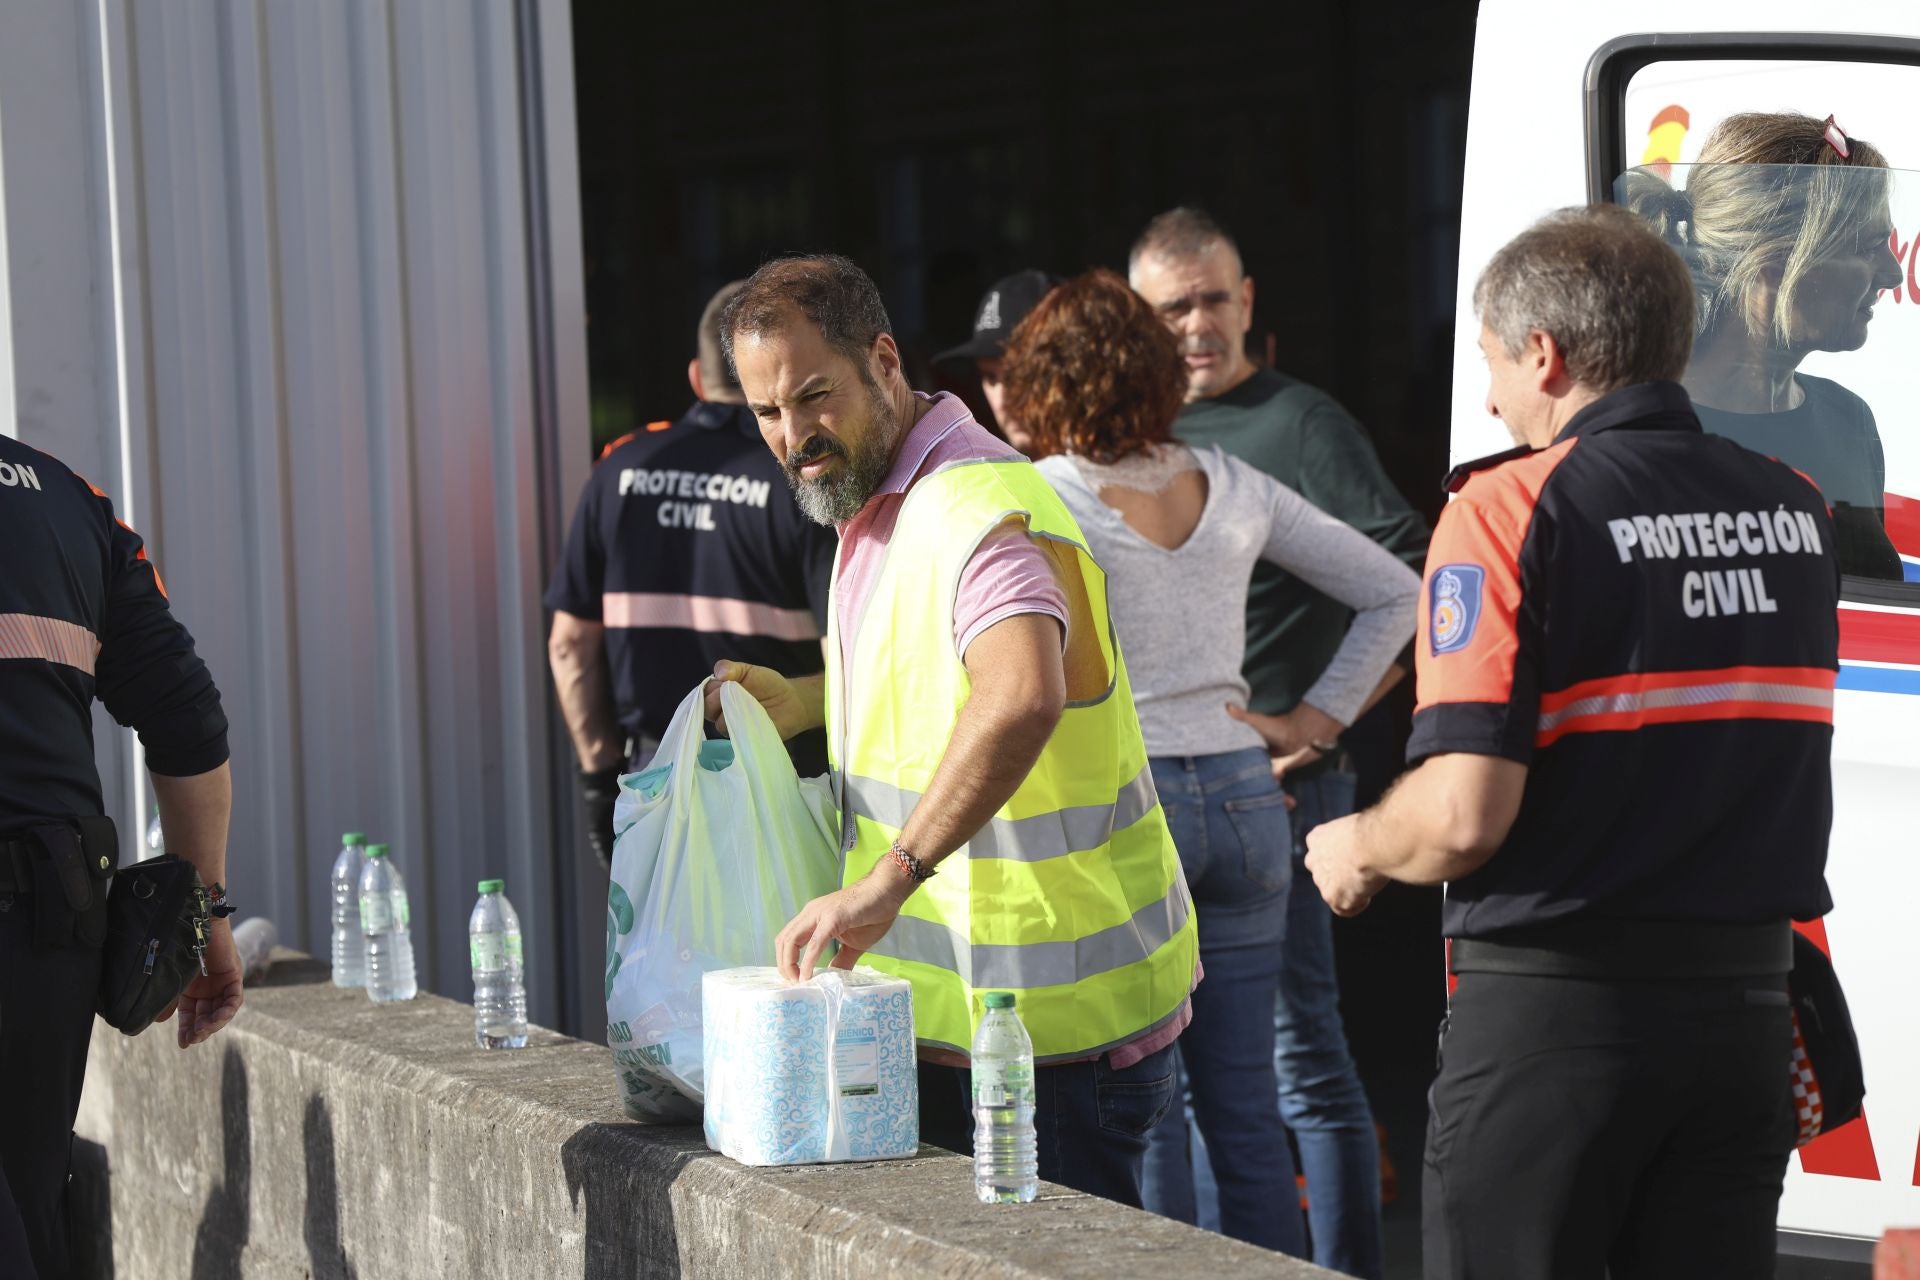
[1003,1084]
[513,948]
[402,917]
[489,952]
[856,1059]
[376,913]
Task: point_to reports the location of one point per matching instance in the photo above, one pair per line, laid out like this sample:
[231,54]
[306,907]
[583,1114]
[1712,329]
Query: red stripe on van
[1879,637]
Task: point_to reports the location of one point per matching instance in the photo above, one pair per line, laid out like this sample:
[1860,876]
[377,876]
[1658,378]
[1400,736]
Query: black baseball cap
[1005,305]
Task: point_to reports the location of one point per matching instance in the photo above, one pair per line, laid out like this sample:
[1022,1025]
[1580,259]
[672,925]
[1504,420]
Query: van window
[1803,239]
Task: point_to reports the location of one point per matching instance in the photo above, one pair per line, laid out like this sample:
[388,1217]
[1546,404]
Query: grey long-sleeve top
[1181,614]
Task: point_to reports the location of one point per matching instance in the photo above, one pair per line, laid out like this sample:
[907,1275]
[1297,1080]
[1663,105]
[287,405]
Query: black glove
[598,790]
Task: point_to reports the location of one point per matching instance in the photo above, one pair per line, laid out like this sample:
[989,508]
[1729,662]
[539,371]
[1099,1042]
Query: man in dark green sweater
[1190,270]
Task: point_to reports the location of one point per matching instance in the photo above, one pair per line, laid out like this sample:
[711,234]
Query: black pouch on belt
[157,919]
[1828,1080]
[69,870]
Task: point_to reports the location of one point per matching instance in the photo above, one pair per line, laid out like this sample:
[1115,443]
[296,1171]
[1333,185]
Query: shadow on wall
[220,1241]
[324,1251]
[225,1223]
[629,1230]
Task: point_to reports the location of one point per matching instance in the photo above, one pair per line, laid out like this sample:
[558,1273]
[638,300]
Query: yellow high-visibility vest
[1072,895]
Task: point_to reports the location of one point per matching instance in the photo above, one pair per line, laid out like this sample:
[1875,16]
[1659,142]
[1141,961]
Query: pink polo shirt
[1008,575]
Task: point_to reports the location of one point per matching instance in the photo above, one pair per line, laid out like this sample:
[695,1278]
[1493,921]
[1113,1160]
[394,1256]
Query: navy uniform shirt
[1645,616]
[83,614]
[688,548]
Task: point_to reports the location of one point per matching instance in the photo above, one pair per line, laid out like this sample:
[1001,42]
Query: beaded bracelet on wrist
[916,870]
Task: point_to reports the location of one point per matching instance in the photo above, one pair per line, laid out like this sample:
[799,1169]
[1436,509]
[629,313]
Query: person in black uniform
[686,548]
[1626,664]
[83,614]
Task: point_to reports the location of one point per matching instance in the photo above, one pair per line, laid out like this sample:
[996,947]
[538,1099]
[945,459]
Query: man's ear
[885,359]
[1246,300]
[694,380]
[1549,363]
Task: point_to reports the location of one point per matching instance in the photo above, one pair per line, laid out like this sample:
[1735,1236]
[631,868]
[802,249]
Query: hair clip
[1837,139]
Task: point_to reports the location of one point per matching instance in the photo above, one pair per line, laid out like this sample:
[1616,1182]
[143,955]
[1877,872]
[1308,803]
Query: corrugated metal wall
[298,281]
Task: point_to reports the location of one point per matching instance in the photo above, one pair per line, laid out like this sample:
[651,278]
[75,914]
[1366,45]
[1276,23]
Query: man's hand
[1290,737]
[1333,856]
[210,1001]
[856,917]
[794,706]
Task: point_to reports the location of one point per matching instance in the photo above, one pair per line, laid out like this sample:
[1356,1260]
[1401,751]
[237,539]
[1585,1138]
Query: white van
[1567,98]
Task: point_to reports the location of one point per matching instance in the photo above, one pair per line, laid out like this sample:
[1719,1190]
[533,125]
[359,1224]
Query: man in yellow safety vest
[976,705]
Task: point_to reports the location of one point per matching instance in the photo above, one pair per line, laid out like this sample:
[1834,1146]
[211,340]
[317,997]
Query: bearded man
[1000,828]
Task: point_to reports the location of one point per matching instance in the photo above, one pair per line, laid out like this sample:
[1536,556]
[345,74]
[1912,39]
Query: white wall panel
[312,274]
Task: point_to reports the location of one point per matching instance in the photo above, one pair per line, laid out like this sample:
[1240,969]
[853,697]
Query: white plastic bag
[716,847]
[799,1073]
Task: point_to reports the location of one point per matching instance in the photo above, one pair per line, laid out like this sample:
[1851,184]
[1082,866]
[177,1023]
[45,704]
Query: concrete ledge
[322,1136]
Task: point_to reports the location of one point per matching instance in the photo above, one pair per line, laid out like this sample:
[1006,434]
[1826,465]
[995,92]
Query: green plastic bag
[716,847]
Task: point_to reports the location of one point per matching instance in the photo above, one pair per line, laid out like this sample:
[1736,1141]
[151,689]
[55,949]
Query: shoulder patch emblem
[1454,598]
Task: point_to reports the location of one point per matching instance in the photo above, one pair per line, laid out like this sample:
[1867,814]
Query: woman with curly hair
[1097,380]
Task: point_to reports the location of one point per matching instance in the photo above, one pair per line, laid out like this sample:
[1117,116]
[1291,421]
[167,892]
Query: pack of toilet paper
[809,1072]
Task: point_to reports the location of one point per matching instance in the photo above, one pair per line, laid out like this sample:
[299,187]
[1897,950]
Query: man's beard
[838,496]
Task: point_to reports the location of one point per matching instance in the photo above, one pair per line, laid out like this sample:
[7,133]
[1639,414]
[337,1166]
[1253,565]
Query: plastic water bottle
[254,939]
[349,944]
[156,838]
[499,981]
[1006,1156]
[384,918]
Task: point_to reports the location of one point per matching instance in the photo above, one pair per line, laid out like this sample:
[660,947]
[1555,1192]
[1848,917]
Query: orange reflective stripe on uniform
[26,635]
[139,554]
[615,444]
[1673,697]
[711,614]
[1470,613]
[663,424]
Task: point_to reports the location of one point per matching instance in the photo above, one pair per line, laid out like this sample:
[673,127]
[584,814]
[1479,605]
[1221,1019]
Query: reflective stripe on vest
[1071,896]
[991,967]
[1034,839]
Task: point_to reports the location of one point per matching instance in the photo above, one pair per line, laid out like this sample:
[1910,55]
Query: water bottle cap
[352,838]
[493,886]
[999,999]
[376,851]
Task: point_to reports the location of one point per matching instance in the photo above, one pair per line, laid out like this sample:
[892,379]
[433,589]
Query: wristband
[1325,748]
[914,869]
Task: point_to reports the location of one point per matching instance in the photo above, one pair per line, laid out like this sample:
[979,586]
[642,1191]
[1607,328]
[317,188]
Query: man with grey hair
[1188,267]
[1001,833]
[1626,667]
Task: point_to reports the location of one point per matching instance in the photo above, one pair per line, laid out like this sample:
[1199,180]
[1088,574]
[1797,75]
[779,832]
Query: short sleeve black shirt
[688,548]
[1645,616]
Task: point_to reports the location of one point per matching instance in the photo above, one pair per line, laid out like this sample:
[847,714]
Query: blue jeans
[1321,1098]
[1090,1119]
[1229,823]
